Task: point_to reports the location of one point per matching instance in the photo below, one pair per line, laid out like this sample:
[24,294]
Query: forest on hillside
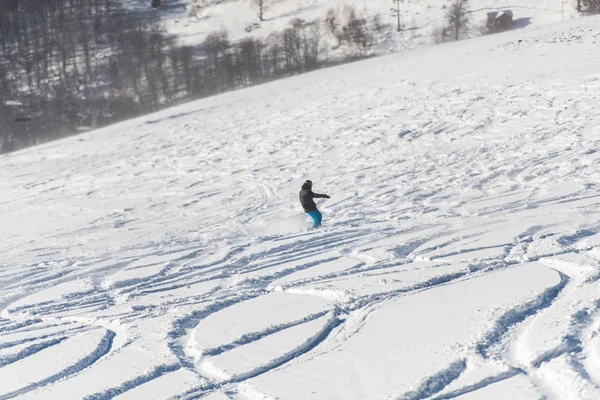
[68,66]
[73,65]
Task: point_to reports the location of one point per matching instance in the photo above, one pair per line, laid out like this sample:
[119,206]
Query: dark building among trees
[588,6]
[498,21]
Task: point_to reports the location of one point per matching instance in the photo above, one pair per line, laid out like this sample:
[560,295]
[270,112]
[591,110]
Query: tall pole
[398,13]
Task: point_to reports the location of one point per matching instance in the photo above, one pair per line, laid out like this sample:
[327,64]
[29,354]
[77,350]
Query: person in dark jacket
[306,199]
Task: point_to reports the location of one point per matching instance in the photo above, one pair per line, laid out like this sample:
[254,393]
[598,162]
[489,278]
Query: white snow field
[192,20]
[168,256]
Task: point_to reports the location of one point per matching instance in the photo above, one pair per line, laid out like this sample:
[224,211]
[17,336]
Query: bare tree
[275,51]
[186,56]
[262,7]
[441,34]
[196,6]
[457,17]
[312,45]
[356,31]
[250,60]
[378,25]
[331,21]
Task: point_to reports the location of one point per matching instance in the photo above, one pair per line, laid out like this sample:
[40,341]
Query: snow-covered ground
[192,20]
[168,257]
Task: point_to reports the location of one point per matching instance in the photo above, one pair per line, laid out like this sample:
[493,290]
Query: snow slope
[193,20]
[168,257]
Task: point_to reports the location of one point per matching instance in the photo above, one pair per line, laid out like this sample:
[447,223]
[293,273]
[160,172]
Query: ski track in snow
[171,244]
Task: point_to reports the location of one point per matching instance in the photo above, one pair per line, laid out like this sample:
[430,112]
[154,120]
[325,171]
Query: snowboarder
[306,199]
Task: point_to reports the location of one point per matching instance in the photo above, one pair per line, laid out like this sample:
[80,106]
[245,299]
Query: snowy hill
[193,20]
[168,257]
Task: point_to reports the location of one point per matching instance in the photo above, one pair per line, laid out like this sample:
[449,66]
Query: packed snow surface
[169,257]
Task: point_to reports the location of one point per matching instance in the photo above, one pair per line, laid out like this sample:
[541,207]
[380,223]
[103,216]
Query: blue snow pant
[316,216]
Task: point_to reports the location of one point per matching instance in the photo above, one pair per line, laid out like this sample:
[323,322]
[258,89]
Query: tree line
[457,23]
[70,65]
[79,64]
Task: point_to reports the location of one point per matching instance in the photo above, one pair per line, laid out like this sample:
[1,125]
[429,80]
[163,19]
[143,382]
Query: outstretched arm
[320,196]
